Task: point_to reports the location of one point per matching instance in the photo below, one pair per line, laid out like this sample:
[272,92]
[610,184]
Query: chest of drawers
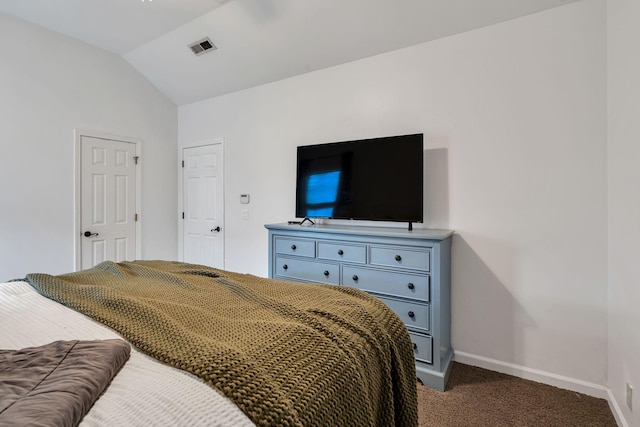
[408,270]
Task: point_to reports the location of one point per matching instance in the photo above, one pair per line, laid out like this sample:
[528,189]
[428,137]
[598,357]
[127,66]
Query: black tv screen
[379,179]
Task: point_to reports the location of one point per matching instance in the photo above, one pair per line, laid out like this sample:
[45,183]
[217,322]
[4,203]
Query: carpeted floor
[478,397]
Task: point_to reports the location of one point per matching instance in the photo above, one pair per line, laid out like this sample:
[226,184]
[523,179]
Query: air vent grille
[202,46]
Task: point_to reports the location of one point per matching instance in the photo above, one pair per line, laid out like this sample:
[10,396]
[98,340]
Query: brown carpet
[478,397]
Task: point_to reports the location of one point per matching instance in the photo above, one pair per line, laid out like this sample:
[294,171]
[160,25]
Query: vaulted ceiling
[258,41]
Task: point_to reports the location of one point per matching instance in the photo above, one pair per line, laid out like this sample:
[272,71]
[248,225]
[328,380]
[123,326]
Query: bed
[217,348]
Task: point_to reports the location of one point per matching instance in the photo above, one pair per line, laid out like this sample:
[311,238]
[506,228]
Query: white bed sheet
[144,393]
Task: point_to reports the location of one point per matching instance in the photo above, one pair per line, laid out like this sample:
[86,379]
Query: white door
[203,230]
[107,201]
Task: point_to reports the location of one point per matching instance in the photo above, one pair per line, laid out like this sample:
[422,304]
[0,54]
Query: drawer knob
[326,273]
[411,314]
[285,266]
[355,277]
[293,247]
[398,258]
[411,286]
[415,346]
[340,252]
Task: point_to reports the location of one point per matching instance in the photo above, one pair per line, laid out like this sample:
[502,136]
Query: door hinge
[135,218]
[182,215]
[135,159]
[183,163]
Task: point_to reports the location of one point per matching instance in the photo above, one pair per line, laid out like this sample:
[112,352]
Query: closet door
[107,201]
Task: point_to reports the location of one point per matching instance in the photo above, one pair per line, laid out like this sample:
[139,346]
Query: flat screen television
[379,179]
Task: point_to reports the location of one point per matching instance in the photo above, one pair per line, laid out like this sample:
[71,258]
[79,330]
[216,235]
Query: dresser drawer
[422,347]
[295,246]
[342,252]
[299,269]
[404,285]
[400,257]
[413,314]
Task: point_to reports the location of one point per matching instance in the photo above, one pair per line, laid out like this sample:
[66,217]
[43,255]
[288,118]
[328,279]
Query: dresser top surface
[416,233]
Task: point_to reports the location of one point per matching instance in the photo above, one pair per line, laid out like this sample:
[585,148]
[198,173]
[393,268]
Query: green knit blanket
[285,353]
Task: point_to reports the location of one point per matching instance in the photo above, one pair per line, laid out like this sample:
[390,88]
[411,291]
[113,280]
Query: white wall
[624,202]
[50,85]
[514,117]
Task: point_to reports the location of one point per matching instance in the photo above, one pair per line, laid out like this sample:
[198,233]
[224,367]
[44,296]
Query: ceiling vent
[202,46]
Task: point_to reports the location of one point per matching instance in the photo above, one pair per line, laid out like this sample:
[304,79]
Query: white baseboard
[579,386]
[615,409]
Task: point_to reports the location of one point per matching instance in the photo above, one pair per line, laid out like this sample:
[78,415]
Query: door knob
[217,229]
[89,234]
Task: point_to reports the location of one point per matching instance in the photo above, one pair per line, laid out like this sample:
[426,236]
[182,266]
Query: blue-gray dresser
[409,270]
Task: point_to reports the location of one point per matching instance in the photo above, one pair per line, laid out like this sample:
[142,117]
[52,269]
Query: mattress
[145,392]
